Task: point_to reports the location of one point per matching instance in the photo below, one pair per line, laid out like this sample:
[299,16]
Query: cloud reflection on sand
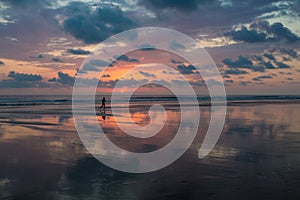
[257,151]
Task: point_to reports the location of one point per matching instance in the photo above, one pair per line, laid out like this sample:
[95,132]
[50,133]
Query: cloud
[244,83]
[126,58]
[97,24]
[262,77]
[175,45]
[269,56]
[262,31]
[235,71]
[28,4]
[282,65]
[88,67]
[11,83]
[63,78]
[212,82]
[147,47]
[229,81]
[78,51]
[290,52]
[1,63]
[243,63]
[176,61]
[268,65]
[148,75]
[184,6]
[161,82]
[131,83]
[56,60]
[246,35]
[24,77]
[240,62]
[52,80]
[108,84]
[183,69]
[21,80]
[179,82]
[93,65]
[152,85]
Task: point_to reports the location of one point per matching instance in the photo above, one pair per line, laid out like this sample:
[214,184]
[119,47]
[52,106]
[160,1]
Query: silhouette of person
[103,103]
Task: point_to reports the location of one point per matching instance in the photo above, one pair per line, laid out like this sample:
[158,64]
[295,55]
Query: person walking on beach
[103,103]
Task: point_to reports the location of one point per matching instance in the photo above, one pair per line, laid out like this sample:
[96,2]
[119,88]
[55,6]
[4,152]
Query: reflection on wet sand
[257,157]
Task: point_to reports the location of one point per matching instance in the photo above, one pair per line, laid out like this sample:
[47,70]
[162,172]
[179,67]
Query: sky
[255,44]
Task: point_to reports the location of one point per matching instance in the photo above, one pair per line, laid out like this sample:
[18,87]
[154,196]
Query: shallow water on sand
[256,157]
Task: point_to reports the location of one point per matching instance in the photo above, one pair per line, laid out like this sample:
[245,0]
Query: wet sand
[256,157]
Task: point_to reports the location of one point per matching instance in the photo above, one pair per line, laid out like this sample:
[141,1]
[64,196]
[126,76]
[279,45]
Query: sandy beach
[256,157]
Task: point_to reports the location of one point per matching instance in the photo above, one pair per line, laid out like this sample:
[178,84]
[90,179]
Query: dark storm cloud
[92,26]
[1,63]
[78,51]
[262,31]
[183,69]
[126,58]
[24,77]
[148,75]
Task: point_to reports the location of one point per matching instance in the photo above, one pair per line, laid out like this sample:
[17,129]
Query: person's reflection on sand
[103,115]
